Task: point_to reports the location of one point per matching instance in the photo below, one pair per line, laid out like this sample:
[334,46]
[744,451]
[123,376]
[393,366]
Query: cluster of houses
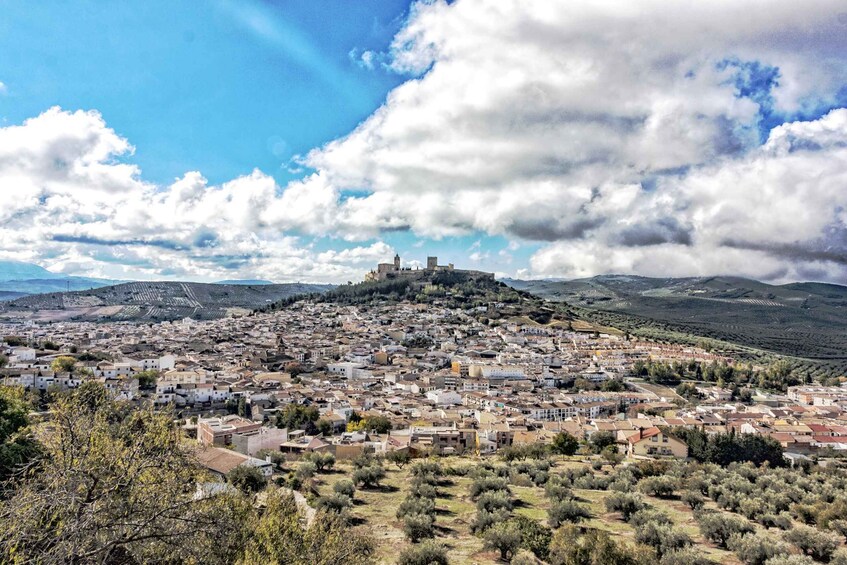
[445,380]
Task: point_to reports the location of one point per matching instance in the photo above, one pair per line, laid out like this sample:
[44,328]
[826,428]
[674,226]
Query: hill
[807,320]
[153,301]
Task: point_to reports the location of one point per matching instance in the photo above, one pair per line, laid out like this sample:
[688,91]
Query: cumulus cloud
[658,138]
[73,205]
[628,133]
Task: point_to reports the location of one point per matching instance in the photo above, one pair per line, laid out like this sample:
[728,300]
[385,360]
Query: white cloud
[591,124]
[619,134]
[3,88]
[74,206]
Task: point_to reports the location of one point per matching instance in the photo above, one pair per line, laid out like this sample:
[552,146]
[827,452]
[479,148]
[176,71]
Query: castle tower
[397,262]
[431,263]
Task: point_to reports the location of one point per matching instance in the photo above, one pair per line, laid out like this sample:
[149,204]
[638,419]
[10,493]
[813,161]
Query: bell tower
[397,262]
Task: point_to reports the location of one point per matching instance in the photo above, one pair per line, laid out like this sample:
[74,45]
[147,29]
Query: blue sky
[309,140]
[221,86]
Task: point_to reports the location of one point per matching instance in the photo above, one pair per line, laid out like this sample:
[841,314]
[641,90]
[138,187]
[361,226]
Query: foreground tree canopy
[115,484]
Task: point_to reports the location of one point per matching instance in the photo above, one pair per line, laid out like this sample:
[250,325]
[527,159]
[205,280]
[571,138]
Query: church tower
[397,262]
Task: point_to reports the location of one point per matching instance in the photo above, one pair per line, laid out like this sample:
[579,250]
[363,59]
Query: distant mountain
[18,271]
[21,279]
[151,301]
[806,320]
[244,281]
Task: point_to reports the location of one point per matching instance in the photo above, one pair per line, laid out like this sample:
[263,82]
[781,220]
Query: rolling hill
[142,301]
[807,320]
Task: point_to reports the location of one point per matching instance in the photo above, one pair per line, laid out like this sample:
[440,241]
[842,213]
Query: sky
[307,141]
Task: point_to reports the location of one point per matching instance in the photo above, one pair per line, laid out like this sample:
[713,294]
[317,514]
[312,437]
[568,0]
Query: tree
[718,527]
[112,489]
[369,476]
[565,444]
[147,379]
[756,549]
[63,364]
[816,544]
[345,487]
[535,537]
[297,417]
[247,479]
[594,548]
[277,536]
[600,441]
[335,502]
[398,457]
[565,511]
[322,460]
[624,502]
[504,537]
[324,427]
[3,360]
[418,526]
[428,552]
[661,537]
[611,455]
[660,486]
[17,446]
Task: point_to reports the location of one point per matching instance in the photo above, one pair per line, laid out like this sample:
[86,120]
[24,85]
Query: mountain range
[21,279]
[807,320]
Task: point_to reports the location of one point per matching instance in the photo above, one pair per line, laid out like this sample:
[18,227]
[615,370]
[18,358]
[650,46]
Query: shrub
[625,503]
[485,519]
[816,544]
[305,470]
[338,503]
[344,487]
[418,526]
[687,556]
[718,527]
[491,501]
[487,484]
[661,486]
[756,549]
[661,537]
[535,537]
[790,560]
[524,558]
[369,476]
[557,491]
[428,552]
[565,511]
[415,505]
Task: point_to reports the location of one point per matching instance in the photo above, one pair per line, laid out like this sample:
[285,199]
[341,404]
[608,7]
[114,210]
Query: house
[653,442]
[221,461]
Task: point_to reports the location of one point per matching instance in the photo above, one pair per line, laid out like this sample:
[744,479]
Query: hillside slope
[806,320]
[153,301]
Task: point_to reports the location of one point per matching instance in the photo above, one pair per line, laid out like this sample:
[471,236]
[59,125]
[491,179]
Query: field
[804,321]
[374,511]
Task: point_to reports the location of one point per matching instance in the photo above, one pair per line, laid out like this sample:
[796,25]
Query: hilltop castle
[385,271]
